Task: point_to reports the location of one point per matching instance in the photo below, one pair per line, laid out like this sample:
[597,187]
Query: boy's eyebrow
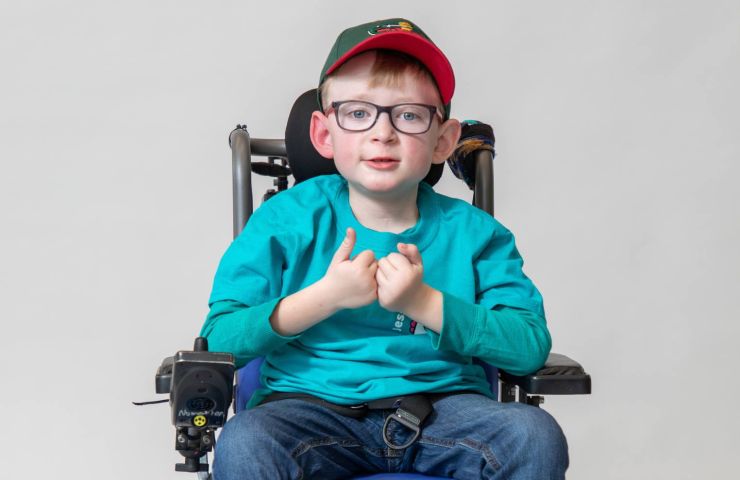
[366,98]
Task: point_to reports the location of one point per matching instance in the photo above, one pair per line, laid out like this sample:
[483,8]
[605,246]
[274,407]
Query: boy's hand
[399,277]
[351,283]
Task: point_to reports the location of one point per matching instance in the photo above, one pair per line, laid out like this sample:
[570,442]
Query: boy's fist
[351,283]
[399,278]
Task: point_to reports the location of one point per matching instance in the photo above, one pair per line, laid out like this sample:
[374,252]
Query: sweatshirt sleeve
[512,339]
[248,286]
[244,331]
[506,325]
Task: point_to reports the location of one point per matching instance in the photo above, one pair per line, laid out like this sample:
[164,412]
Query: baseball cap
[393,34]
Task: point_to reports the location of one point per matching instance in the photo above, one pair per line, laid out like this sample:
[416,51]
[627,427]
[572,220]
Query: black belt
[411,410]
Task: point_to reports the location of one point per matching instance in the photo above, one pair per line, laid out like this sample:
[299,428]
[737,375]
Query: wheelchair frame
[559,376]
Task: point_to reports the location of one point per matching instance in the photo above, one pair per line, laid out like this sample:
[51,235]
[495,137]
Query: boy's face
[381,161]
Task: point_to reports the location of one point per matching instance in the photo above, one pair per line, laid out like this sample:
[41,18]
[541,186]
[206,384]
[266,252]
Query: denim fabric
[468,436]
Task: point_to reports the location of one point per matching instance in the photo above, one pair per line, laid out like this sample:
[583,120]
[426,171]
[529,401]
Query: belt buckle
[407,420]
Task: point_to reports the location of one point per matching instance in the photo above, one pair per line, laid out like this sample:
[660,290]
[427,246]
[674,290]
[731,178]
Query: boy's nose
[383,129]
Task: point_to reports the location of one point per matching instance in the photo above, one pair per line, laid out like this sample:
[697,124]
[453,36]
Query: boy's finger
[397,261]
[365,258]
[410,251]
[386,265]
[380,276]
[345,248]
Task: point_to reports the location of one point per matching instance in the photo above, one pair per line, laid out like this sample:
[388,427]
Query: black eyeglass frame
[380,109]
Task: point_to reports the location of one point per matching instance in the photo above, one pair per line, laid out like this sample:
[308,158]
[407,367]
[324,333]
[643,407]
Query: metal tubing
[268,147]
[241,174]
[484,180]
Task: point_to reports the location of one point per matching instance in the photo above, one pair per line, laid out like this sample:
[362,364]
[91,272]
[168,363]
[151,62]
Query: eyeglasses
[358,116]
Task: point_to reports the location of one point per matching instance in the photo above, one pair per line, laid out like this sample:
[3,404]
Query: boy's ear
[320,137]
[449,134]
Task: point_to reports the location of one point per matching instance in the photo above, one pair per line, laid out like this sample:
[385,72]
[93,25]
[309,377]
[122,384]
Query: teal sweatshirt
[491,310]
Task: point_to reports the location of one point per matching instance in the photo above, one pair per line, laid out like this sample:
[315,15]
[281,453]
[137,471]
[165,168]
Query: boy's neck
[385,214]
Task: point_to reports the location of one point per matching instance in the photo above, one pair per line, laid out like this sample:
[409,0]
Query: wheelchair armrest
[163,379]
[559,376]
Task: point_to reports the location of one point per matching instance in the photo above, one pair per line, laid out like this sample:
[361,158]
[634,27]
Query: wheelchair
[201,383]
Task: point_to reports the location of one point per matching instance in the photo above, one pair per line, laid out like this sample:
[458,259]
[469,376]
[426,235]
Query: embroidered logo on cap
[391,27]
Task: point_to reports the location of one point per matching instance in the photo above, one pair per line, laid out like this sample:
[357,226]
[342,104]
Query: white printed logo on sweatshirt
[414,327]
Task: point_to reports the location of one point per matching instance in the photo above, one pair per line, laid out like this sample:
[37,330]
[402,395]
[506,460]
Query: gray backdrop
[618,158]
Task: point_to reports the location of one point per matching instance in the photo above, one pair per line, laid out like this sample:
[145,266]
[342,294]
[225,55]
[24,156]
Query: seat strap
[353,411]
[411,410]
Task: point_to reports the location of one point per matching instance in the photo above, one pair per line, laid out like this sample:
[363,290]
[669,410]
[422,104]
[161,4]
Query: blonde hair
[388,70]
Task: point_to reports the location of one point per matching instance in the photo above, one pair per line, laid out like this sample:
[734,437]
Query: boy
[370,288]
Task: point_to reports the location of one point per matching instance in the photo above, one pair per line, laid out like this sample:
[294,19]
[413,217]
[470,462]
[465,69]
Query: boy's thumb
[410,251]
[345,248]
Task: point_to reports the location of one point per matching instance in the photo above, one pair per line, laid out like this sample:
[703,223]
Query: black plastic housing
[200,384]
[559,376]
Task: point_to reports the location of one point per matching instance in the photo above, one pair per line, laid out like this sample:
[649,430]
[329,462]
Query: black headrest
[304,160]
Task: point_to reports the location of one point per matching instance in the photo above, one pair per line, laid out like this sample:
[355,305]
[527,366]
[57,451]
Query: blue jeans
[467,436]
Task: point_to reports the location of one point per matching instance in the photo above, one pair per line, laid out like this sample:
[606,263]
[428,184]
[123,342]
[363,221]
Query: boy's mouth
[382,163]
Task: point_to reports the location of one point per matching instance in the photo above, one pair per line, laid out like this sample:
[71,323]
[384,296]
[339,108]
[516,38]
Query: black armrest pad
[559,364]
[559,376]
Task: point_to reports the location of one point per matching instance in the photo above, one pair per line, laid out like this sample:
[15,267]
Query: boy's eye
[356,112]
[411,114]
